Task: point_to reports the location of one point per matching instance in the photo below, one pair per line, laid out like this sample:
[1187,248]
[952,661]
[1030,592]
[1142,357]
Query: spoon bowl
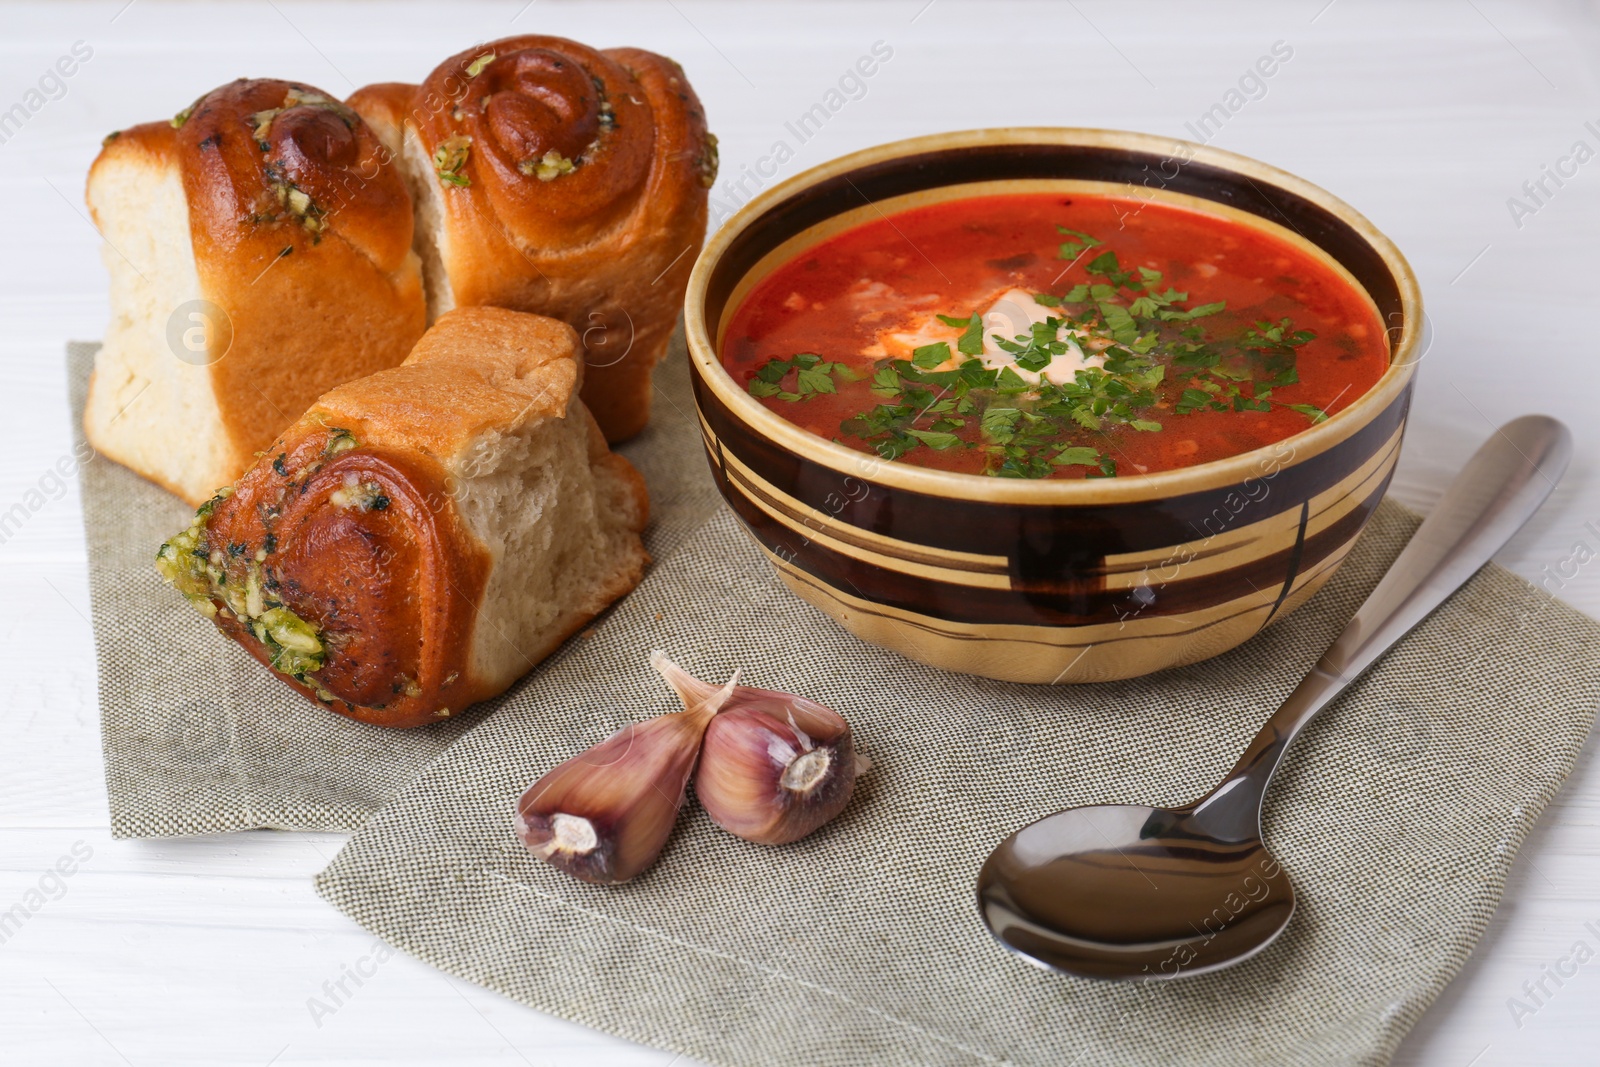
[1126,891]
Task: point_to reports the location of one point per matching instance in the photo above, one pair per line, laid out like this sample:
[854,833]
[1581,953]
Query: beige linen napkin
[1397,816]
[197,737]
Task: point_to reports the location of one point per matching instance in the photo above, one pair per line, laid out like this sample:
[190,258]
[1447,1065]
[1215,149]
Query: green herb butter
[195,569]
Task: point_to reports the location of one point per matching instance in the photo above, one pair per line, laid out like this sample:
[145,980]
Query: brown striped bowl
[1049,581]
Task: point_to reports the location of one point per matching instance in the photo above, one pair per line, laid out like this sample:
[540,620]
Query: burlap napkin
[1397,816]
[197,737]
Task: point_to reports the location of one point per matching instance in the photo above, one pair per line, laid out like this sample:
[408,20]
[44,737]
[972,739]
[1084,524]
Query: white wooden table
[1427,116]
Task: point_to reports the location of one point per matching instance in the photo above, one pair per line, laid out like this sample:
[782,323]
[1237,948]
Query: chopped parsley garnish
[811,375]
[1077,244]
[1158,361]
[971,342]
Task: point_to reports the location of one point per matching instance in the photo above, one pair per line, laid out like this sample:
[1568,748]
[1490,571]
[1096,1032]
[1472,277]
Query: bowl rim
[1219,473]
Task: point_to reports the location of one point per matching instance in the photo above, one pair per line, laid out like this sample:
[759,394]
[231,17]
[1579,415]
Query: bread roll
[424,536]
[553,178]
[259,245]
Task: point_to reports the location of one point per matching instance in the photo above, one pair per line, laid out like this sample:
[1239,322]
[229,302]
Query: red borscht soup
[1043,335]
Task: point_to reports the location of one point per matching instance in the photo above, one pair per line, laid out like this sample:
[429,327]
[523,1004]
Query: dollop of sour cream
[1012,314]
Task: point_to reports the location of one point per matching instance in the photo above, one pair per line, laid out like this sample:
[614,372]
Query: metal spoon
[1125,891]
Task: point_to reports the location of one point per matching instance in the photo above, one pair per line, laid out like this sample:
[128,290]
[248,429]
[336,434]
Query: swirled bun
[259,246]
[425,535]
[553,178]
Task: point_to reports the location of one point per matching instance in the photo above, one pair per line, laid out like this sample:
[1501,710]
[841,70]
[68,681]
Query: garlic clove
[775,766]
[605,815]
[691,690]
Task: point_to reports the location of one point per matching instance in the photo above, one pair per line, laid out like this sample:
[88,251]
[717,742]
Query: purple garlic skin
[772,767]
[775,766]
[605,815]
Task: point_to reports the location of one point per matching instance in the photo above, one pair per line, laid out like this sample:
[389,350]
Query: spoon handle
[1498,490]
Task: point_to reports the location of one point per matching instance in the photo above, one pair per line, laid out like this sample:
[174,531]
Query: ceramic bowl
[1049,581]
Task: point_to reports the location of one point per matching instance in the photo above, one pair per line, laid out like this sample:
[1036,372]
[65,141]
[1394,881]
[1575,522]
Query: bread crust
[606,245]
[392,591]
[477,369]
[300,229]
[352,520]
